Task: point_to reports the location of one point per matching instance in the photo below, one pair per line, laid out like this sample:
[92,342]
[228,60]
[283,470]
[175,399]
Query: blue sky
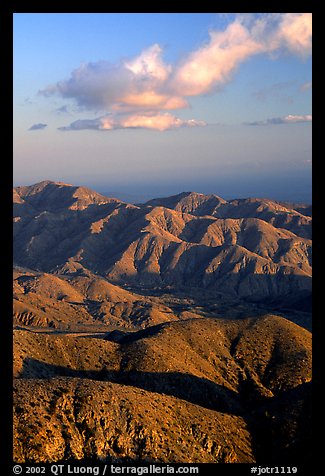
[141,105]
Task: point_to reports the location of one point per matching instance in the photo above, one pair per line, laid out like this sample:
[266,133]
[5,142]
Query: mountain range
[250,248]
[177,330]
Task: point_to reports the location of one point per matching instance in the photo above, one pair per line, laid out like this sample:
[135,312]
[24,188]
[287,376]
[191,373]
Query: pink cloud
[146,86]
[159,122]
[149,100]
[213,64]
[294,118]
[295,33]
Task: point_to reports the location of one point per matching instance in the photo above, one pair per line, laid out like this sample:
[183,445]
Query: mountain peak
[51,196]
[190,202]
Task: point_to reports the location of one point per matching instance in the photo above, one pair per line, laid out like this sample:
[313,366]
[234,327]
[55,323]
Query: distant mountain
[295,218]
[53,196]
[190,202]
[250,248]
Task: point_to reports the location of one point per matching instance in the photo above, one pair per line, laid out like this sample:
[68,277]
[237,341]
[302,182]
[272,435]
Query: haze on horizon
[147,105]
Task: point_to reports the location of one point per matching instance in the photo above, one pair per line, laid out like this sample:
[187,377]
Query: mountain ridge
[59,228]
[172,331]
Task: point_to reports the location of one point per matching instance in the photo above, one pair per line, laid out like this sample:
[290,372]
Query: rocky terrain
[172,331]
[253,249]
[208,390]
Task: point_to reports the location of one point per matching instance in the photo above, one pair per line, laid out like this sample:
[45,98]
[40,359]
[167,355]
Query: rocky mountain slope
[292,217]
[207,390]
[82,302]
[156,332]
[86,302]
[252,248]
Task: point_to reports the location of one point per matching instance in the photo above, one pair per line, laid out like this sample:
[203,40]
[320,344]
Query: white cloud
[289,119]
[149,65]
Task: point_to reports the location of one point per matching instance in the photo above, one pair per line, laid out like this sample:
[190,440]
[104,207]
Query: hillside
[84,302]
[177,392]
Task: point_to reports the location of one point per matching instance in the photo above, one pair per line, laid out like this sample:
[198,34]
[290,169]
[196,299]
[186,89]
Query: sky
[142,105]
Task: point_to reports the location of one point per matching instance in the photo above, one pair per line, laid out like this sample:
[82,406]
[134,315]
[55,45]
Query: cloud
[160,122]
[306,86]
[213,64]
[275,91]
[290,119]
[281,32]
[62,110]
[146,84]
[93,85]
[37,127]
[295,33]
[149,64]
[82,124]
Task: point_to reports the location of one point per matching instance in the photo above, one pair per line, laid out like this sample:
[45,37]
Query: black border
[6,349]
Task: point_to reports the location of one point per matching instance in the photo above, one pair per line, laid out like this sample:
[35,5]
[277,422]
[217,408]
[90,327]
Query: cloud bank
[146,86]
[161,122]
[290,119]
